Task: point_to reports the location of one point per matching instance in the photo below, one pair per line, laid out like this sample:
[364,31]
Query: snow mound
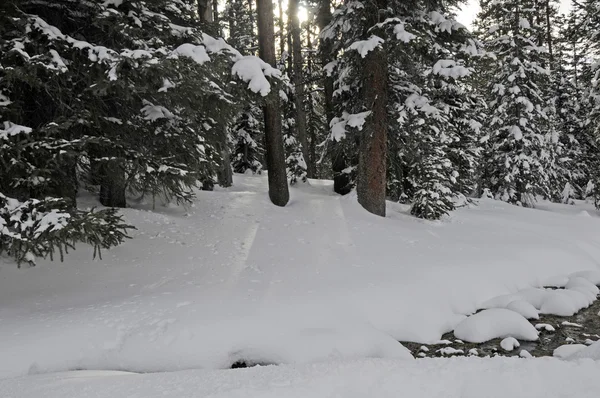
[592,276]
[523,308]
[579,292]
[565,351]
[588,352]
[509,344]
[494,323]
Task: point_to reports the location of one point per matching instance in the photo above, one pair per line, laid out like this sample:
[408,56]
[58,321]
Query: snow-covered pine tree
[432,116]
[519,150]
[577,147]
[246,133]
[117,95]
[588,27]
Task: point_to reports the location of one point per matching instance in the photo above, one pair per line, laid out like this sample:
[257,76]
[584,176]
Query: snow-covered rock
[494,323]
[565,351]
[524,308]
[589,352]
[509,344]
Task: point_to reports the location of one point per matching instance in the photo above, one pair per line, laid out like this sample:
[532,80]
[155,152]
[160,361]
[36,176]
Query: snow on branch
[11,129]
[365,46]
[449,68]
[338,124]
[254,70]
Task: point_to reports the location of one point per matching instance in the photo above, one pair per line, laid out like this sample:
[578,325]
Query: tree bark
[341,180]
[278,187]
[372,162]
[281,29]
[225,175]
[112,185]
[549,34]
[298,68]
[310,131]
[205,10]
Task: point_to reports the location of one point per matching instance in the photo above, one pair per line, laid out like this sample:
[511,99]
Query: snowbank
[427,378]
[494,323]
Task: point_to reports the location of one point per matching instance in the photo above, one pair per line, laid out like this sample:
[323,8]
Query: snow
[365,46]
[402,34]
[523,308]
[426,378]
[565,351]
[591,352]
[10,129]
[155,112]
[449,68]
[509,343]
[317,280]
[547,327]
[253,70]
[339,124]
[196,53]
[494,323]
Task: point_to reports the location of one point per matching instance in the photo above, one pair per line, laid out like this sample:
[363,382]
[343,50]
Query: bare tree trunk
[112,185]
[299,83]
[341,181]
[312,150]
[205,10]
[225,174]
[278,187]
[215,13]
[372,163]
[281,29]
[549,33]
[253,40]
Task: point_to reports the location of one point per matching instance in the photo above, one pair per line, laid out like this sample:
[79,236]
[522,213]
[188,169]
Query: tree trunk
[312,150]
[205,10]
[225,174]
[112,185]
[549,34]
[341,180]
[372,165]
[298,66]
[278,187]
[215,15]
[281,29]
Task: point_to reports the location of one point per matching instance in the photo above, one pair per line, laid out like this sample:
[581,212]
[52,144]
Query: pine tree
[520,145]
[121,98]
[429,112]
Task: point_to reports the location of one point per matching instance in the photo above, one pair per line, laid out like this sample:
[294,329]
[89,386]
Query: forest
[131,100]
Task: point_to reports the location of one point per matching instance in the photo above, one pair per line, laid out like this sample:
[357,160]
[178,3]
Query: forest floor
[320,287]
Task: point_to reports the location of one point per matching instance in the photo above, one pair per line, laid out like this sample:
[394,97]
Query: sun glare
[302,14]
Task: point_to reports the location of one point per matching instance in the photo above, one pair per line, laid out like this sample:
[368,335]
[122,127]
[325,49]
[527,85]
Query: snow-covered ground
[236,278]
[381,378]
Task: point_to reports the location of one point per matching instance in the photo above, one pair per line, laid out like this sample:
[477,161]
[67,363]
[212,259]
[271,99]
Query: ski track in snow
[234,277]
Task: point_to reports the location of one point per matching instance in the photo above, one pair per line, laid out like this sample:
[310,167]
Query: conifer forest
[299,198]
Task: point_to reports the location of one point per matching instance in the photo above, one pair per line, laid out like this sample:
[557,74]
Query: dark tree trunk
[215,15]
[278,187]
[225,174]
[341,180]
[298,67]
[205,10]
[372,163]
[312,146]
[112,185]
[281,29]
[549,34]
